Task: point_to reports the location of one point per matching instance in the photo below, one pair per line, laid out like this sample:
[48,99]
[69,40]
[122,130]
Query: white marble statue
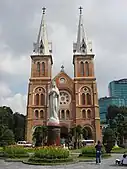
[54,97]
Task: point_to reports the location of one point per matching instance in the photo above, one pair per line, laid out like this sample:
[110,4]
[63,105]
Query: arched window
[67,114]
[37,99]
[82,68]
[88,99]
[87,68]
[88,114]
[41,114]
[36,114]
[83,114]
[62,114]
[83,101]
[43,68]
[42,99]
[38,66]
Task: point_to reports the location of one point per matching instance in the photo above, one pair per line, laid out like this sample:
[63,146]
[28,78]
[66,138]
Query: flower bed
[50,155]
[51,152]
[15,151]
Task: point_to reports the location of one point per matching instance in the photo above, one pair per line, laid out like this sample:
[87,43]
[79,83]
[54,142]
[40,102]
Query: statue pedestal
[53,135]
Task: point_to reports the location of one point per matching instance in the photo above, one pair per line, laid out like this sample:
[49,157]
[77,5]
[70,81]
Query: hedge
[51,152]
[15,151]
[90,151]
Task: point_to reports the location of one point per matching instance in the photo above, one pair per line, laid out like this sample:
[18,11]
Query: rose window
[65,97]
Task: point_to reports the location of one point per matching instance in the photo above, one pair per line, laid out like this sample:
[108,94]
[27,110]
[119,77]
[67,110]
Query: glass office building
[118,88]
[105,102]
[118,97]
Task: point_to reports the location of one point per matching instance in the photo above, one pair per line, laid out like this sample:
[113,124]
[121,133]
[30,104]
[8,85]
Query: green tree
[75,134]
[78,134]
[112,111]
[6,117]
[121,127]
[19,126]
[85,133]
[15,122]
[6,136]
[117,119]
[39,135]
[109,139]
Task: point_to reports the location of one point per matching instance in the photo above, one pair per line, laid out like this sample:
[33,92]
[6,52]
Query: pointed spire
[81,46]
[42,46]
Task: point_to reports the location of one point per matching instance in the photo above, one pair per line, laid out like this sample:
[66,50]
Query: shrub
[90,151]
[116,148]
[14,151]
[51,153]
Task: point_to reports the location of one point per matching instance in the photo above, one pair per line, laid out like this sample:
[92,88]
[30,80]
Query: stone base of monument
[53,134]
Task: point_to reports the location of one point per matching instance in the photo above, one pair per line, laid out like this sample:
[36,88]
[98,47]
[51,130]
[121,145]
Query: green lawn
[119,150]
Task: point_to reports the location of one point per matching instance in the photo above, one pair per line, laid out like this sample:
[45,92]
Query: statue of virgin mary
[54,97]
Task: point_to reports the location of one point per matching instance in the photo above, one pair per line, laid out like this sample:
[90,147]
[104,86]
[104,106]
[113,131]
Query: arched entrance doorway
[64,132]
[87,133]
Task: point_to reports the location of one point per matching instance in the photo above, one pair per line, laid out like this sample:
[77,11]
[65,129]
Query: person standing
[98,152]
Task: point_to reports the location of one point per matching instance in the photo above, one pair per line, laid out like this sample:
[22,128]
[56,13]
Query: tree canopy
[12,125]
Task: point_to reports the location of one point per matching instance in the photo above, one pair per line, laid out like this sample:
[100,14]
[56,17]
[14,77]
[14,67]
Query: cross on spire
[62,68]
[43,9]
[81,45]
[42,45]
[80,8]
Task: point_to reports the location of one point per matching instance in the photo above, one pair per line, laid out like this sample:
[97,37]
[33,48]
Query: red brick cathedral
[79,97]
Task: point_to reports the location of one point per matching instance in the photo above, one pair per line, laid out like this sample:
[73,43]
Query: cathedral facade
[78,95]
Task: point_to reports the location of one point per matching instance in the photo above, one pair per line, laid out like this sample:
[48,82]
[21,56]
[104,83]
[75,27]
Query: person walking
[98,152]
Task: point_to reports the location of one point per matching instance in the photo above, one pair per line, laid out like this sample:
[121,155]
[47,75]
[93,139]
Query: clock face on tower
[62,80]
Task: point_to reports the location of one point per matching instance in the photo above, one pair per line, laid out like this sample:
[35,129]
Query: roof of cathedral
[42,45]
[61,73]
[82,46]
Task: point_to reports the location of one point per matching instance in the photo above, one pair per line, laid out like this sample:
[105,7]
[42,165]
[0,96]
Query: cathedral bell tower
[87,109]
[41,74]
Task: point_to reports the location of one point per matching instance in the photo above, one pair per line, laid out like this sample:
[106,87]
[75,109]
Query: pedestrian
[124,157]
[98,152]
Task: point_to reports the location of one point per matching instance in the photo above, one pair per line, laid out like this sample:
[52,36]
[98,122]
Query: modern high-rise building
[78,95]
[118,97]
[118,88]
[105,102]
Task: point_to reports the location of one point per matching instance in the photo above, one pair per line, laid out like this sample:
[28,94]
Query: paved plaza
[106,164]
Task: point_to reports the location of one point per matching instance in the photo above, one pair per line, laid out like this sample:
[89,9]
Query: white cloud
[17,102]
[4,90]
[105,23]
[18,66]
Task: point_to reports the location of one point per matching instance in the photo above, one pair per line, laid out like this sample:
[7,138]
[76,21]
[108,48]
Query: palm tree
[85,133]
[75,134]
[39,135]
[78,134]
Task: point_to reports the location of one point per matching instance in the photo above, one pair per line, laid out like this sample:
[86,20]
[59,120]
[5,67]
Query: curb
[13,160]
[49,164]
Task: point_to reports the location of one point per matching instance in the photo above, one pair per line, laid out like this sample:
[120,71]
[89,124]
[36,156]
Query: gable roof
[63,74]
